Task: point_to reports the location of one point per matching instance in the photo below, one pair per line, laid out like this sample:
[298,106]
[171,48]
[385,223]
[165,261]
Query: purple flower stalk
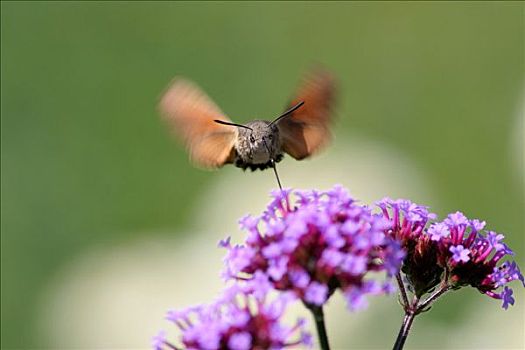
[315,244]
[243,318]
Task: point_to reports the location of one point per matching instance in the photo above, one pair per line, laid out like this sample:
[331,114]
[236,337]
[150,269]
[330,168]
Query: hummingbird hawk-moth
[213,140]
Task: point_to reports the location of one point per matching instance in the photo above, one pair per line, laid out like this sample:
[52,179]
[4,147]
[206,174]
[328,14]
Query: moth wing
[307,130]
[190,115]
[213,150]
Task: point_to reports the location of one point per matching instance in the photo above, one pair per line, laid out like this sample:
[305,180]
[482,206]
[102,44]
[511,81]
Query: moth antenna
[232,124]
[288,112]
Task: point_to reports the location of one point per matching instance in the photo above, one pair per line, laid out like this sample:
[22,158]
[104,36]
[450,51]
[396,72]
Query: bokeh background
[105,224]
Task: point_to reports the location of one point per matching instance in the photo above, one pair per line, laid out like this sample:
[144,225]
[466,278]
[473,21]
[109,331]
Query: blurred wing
[307,129]
[189,113]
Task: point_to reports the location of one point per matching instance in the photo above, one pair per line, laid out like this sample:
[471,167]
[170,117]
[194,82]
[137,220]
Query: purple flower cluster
[457,248]
[308,244]
[243,318]
[471,255]
[314,245]
[407,225]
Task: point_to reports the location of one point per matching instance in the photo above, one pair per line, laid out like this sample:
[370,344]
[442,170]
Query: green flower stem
[414,309]
[317,312]
[405,328]
[402,290]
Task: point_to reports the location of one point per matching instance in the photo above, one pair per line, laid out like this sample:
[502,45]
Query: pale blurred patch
[117,296]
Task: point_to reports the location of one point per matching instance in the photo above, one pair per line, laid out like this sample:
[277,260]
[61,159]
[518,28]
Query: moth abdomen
[239,163]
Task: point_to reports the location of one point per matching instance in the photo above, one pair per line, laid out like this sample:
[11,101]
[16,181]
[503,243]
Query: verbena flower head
[408,222]
[313,243]
[471,255]
[243,318]
[456,249]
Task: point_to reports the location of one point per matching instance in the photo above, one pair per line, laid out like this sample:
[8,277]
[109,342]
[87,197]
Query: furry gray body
[256,148]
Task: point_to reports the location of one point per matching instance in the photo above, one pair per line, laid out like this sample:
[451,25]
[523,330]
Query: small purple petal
[394,258]
[159,340]
[507,298]
[494,240]
[350,227]
[355,264]
[456,219]
[238,258]
[332,257]
[316,293]
[210,339]
[498,277]
[438,231]
[240,341]
[299,278]
[477,225]
[307,339]
[248,222]
[460,253]
[277,268]
[296,228]
[334,237]
[273,250]
[224,243]
[259,285]
[355,299]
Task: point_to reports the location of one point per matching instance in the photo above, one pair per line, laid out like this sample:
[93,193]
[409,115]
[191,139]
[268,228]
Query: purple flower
[505,273]
[456,248]
[228,323]
[224,243]
[407,219]
[479,253]
[306,339]
[324,241]
[494,240]
[159,340]
[459,253]
[499,277]
[316,293]
[407,225]
[393,255]
[247,222]
[240,341]
[299,278]
[507,298]
[477,225]
[514,272]
[456,219]
[355,299]
[438,231]
[354,265]
[278,267]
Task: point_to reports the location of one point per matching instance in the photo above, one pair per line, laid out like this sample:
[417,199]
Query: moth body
[257,145]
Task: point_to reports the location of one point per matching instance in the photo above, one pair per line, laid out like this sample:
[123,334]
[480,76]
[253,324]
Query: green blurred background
[86,162]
